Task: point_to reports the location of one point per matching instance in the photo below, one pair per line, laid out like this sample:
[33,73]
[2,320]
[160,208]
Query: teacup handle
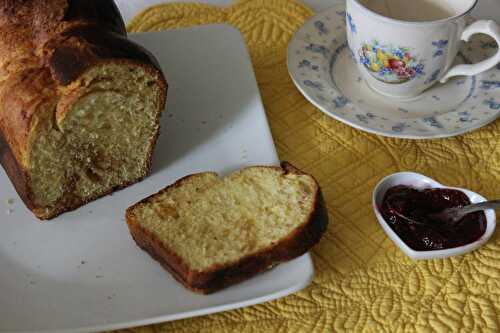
[487,27]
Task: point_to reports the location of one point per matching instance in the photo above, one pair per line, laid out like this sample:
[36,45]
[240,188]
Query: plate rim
[189,314]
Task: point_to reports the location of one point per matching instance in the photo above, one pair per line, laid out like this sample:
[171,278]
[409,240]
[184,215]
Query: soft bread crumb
[102,141]
[209,221]
[211,233]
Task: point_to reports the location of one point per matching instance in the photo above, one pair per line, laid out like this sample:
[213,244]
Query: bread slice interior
[206,223]
[98,137]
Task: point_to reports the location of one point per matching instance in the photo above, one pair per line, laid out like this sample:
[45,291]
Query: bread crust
[83,46]
[301,240]
[15,172]
[102,13]
[45,48]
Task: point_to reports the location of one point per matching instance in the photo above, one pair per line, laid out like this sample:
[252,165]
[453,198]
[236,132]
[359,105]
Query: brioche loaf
[211,232]
[79,102]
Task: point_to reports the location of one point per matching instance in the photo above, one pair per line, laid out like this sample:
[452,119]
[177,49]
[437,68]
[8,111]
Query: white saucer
[323,68]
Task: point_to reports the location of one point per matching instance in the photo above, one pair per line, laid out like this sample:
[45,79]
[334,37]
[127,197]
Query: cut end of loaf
[211,232]
[98,138]
[79,102]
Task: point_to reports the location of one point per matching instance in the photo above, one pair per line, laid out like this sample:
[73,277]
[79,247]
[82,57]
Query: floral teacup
[401,58]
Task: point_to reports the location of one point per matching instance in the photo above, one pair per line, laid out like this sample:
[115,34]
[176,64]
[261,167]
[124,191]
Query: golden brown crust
[70,204]
[218,277]
[45,47]
[16,173]
[103,13]
[21,97]
[80,47]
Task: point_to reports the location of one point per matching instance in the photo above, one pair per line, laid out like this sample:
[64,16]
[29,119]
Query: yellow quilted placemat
[363,283]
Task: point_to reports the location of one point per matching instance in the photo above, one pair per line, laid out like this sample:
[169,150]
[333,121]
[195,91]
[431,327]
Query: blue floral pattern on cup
[489,84]
[433,76]
[352,26]
[440,45]
[319,48]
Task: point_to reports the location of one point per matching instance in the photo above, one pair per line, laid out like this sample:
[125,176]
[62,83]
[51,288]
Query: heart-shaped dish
[420,182]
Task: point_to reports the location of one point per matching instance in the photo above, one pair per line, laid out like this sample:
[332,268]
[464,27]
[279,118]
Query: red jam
[428,233]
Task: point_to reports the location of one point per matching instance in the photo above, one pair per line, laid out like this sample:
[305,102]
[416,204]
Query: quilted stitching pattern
[363,282]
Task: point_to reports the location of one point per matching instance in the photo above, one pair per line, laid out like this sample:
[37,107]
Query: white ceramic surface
[420,181]
[325,71]
[403,58]
[82,271]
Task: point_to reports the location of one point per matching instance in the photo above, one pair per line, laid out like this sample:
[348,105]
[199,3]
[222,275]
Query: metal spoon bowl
[455,214]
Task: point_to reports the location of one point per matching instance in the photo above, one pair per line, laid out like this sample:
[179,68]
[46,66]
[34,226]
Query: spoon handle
[493,204]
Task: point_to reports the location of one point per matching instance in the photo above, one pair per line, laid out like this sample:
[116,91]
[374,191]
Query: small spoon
[455,214]
[410,220]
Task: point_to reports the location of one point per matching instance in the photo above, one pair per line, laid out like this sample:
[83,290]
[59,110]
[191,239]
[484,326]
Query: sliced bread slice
[211,232]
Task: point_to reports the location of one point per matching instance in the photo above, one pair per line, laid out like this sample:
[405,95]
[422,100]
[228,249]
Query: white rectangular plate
[82,271]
